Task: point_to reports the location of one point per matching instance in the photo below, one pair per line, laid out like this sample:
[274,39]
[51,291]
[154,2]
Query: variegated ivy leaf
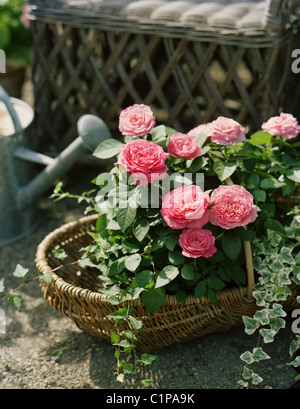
[251,325]
[277,311]
[268,335]
[259,355]
[262,316]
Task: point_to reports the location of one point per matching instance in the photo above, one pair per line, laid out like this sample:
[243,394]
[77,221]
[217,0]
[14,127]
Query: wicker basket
[73,292]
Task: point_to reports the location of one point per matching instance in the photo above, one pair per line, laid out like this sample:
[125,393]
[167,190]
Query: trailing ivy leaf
[47,278]
[166,275]
[153,298]
[224,169]
[2,285]
[135,323]
[251,325]
[15,300]
[259,355]
[108,149]
[114,337]
[20,272]
[125,217]
[147,359]
[267,334]
[231,244]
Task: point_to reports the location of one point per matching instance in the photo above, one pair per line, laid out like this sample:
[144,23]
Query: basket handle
[247,250]
[4,97]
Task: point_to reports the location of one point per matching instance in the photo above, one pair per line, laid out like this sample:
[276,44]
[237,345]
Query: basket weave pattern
[73,292]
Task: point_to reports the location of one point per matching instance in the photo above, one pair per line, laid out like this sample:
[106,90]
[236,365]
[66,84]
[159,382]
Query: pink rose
[202,128]
[284,125]
[183,146]
[232,206]
[136,120]
[223,131]
[186,206]
[144,160]
[197,243]
[24,17]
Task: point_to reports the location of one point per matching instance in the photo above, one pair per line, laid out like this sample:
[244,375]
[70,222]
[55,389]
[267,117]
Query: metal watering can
[20,185]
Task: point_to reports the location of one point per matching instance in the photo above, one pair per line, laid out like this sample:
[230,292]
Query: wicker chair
[190,60]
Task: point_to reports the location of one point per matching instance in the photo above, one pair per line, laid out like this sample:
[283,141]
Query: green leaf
[267,334]
[127,367]
[293,174]
[15,300]
[114,337]
[108,149]
[132,262]
[171,242]
[166,275]
[201,289]
[224,170]
[125,217]
[261,138]
[231,244]
[259,355]
[176,258]
[147,359]
[47,278]
[153,298]
[141,229]
[20,272]
[259,195]
[271,183]
[187,272]
[251,325]
[247,357]
[253,181]
[144,278]
[135,323]
[180,296]
[215,283]
[146,382]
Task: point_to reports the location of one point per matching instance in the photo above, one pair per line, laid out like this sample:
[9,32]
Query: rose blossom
[183,146]
[144,160]
[284,125]
[136,120]
[232,206]
[202,128]
[186,206]
[197,243]
[223,131]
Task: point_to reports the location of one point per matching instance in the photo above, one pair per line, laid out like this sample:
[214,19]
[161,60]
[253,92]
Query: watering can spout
[90,136]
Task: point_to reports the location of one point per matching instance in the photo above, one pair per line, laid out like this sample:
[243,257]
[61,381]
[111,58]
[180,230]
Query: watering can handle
[4,97]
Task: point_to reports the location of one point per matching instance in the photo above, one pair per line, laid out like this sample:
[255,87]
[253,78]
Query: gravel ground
[27,355]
